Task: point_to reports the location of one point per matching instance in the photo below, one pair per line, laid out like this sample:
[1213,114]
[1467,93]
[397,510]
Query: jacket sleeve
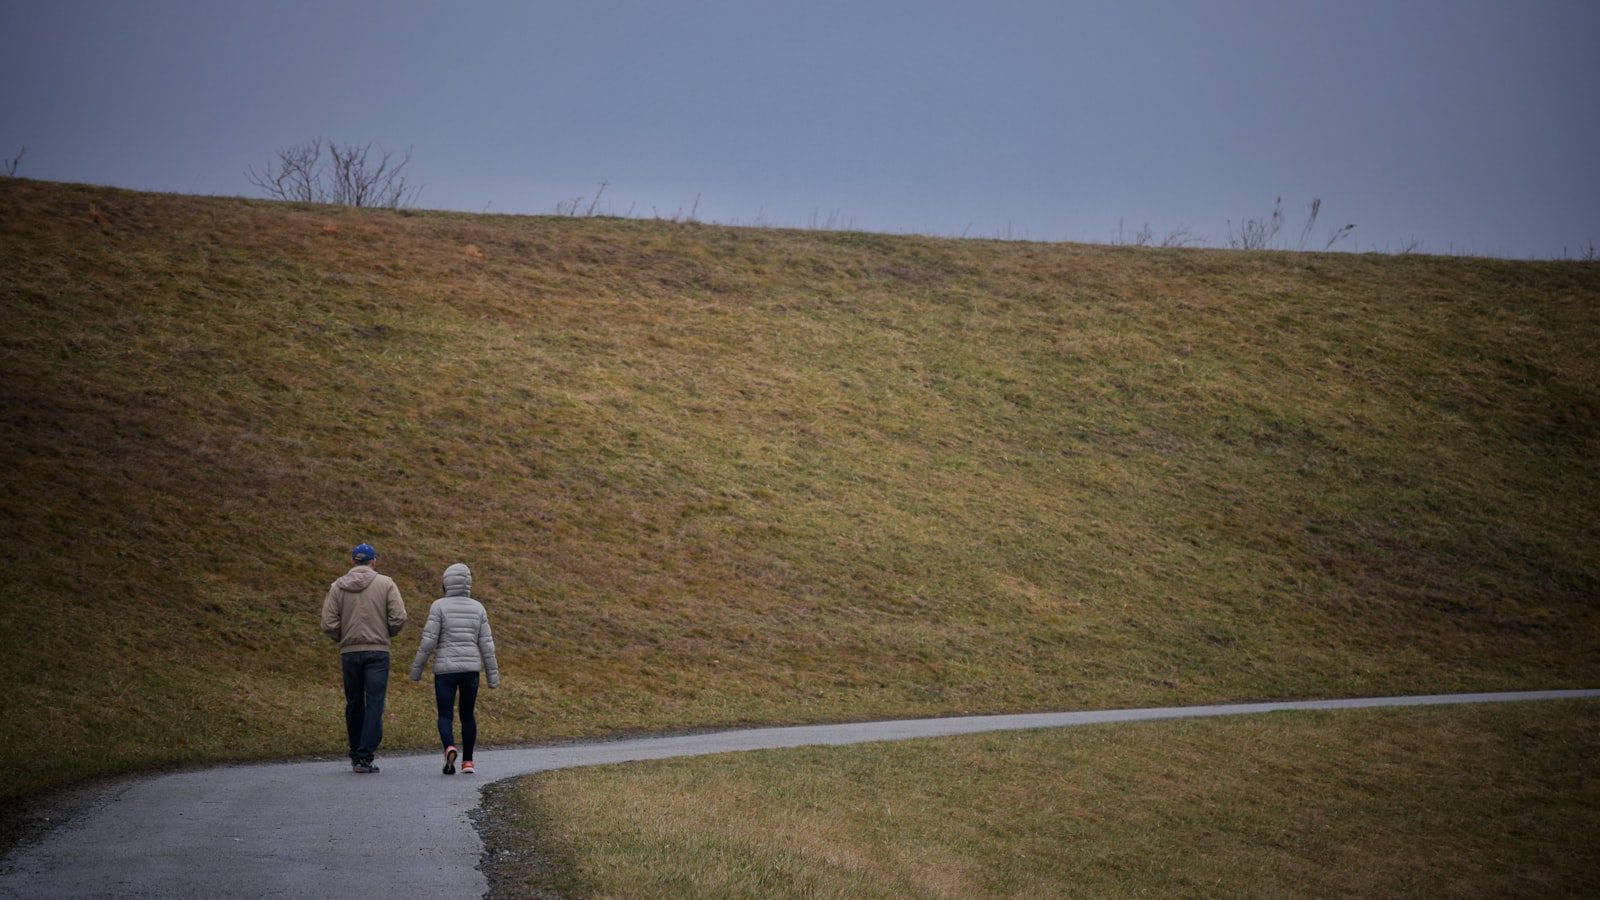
[430,639]
[330,614]
[491,666]
[396,608]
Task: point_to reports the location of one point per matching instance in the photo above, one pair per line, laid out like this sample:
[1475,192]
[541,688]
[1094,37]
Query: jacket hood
[357,579]
[458,581]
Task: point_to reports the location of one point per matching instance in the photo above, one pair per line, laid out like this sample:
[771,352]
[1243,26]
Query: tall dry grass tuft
[1264,233]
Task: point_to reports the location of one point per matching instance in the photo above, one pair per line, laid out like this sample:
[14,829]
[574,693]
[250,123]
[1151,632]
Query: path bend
[313,829]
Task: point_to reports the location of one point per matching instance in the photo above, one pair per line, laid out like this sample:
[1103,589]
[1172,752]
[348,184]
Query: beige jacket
[363,610]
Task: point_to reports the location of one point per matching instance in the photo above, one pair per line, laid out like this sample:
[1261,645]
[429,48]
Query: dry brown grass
[1449,802]
[711,475]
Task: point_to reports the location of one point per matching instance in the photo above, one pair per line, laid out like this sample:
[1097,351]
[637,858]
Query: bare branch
[295,175]
[596,201]
[1178,237]
[347,177]
[8,168]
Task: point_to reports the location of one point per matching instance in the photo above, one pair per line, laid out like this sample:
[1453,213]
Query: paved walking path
[313,829]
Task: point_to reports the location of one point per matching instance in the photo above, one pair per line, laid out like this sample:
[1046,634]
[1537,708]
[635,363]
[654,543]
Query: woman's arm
[491,667]
[430,639]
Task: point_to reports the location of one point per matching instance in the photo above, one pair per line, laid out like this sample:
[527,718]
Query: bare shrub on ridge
[349,175]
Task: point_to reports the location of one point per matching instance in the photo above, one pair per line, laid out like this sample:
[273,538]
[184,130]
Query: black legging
[444,693]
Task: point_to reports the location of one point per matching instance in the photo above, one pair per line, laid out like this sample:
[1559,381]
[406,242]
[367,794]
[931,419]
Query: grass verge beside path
[1459,801]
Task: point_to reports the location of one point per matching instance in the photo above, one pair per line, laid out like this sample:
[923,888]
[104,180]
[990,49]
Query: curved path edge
[315,829]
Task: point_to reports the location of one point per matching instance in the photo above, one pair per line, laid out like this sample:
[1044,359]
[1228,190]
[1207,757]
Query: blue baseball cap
[363,553]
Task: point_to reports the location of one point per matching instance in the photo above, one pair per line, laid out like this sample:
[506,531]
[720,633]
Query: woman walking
[457,634]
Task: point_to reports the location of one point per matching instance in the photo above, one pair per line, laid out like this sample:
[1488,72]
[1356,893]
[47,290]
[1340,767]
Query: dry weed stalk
[1260,234]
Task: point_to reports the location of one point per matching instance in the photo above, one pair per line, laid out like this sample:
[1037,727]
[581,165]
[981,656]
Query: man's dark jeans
[366,684]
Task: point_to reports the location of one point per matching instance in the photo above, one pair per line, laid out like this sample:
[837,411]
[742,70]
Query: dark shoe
[365,768]
[449,760]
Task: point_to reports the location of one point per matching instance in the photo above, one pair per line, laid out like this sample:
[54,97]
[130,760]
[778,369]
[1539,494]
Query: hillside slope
[710,475]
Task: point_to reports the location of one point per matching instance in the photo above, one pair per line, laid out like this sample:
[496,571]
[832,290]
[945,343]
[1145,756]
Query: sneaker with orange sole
[466,768]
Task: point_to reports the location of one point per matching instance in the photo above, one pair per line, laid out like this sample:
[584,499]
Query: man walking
[361,613]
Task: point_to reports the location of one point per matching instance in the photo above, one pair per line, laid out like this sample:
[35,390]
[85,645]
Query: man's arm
[396,608]
[330,614]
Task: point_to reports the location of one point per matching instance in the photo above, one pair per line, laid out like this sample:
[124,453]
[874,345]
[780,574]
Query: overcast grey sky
[1470,125]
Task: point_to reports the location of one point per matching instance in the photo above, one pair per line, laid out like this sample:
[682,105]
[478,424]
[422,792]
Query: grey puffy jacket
[457,632]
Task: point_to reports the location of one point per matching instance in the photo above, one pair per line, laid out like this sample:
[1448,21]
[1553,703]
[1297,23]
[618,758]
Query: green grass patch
[1478,801]
[712,475]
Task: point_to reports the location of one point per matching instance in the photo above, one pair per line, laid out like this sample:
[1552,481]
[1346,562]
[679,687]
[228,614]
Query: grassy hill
[709,475]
